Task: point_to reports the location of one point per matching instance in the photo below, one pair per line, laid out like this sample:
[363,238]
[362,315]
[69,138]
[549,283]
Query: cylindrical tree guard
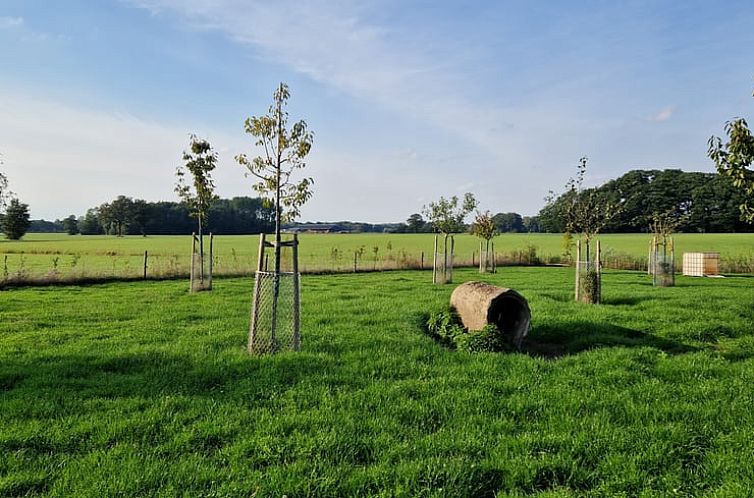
[663,259]
[479,304]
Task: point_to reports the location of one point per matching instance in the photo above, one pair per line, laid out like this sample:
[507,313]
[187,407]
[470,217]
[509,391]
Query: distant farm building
[317,228]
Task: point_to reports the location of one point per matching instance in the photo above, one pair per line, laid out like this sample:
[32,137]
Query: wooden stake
[578,267]
[296,298]
[672,260]
[193,250]
[598,270]
[434,264]
[146,257]
[211,260]
[255,297]
[449,268]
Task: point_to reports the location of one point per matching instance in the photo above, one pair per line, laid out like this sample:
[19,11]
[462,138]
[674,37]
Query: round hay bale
[479,304]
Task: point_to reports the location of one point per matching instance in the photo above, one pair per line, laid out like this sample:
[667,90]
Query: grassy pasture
[141,389]
[63,256]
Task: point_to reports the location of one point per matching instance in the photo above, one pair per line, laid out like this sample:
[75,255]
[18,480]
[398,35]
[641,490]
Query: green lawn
[141,389]
[61,256]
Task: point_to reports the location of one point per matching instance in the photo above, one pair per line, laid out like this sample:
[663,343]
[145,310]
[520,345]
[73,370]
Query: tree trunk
[278,215]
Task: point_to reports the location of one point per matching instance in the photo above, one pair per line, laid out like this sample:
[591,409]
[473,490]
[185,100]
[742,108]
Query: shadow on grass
[626,301]
[554,340]
[152,374]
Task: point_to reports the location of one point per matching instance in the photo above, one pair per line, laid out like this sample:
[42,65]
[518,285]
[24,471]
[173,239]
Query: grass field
[60,256]
[141,389]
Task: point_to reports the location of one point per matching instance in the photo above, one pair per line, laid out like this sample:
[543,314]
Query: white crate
[700,264]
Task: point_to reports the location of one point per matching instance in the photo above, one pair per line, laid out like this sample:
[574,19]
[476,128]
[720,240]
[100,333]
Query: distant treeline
[705,202]
[126,216]
[239,215]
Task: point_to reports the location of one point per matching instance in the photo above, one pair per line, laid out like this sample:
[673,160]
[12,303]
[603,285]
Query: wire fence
[40,269]
[275,315]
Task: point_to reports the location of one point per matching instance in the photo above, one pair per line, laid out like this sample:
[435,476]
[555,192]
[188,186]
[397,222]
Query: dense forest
[703,202]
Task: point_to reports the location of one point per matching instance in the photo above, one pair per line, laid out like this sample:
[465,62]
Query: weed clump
[445,327]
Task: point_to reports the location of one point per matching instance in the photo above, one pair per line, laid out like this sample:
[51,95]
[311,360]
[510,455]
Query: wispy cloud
[663,115]
[90,156]
[334,43]
[62,159]
[11,22]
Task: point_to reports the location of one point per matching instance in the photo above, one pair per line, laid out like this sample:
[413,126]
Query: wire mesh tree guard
[442,268]
[662,261]
[588,273]
[276,305]
[201,264]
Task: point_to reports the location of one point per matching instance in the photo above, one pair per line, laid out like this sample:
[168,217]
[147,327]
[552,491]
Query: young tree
[71,225]
[447,217]
[485,228]
[734,160]
[199,194]
[16,220]
[284,152]
[585,212]
[662,253]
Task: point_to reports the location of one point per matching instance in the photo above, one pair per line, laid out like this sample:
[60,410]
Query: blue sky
[408,100]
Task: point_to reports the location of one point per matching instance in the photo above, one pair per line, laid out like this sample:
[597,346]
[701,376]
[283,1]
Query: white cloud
[11,22]
[336,44]
[61,160]
[332,43]
[663,115]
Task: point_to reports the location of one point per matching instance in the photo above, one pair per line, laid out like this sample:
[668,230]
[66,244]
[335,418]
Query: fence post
[434,264]
[578,267]
[296,298]
[193,250]
[255,296]
[354,261]
[146,257]
[422,260]
[211,260]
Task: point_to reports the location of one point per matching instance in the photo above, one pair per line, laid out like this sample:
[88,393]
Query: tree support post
[434,264]
[578,268]
[211,260]
[255,298]
[193,251]
[296,297]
